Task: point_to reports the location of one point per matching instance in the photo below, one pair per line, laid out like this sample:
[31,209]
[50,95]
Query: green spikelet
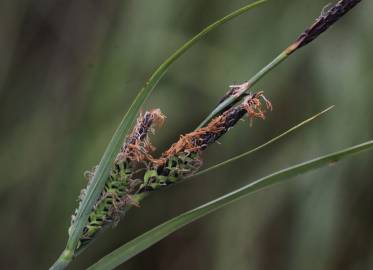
[175,168]
[124,181]
[183,158]
[111,204]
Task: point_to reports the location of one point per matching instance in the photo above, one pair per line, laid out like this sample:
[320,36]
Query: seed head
[183,158]
[322,23]
[198,140]
[138,146]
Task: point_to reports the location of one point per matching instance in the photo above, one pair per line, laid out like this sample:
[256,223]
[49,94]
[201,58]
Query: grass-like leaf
[151,237]
[108,157]
[273,140]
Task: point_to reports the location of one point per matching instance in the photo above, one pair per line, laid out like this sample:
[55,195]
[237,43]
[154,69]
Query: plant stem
[63,261]
[246,86]
[322,23]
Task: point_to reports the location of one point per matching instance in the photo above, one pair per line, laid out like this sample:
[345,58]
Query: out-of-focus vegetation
[69,70]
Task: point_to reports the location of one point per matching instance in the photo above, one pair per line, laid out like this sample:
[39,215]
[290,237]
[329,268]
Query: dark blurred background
[70,69]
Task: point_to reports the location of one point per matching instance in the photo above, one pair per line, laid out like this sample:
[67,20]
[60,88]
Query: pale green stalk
[244,87]
[322,23]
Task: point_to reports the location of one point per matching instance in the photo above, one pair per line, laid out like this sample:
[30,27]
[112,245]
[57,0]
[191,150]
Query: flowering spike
[138,146]
[183,158]
[328,17]
[123,182]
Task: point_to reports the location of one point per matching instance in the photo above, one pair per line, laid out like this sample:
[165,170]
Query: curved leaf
[226,162]
[151,237]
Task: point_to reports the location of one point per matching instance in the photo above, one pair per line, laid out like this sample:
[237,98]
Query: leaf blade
[149,238]
[244,154]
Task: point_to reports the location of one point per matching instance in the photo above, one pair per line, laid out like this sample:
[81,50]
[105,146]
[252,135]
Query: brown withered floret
[198,140]
[138,146]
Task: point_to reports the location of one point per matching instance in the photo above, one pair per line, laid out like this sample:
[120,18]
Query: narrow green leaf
[108,157]
[226,162]
[151,237]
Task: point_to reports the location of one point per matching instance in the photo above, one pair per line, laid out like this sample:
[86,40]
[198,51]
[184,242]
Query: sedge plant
[128,171]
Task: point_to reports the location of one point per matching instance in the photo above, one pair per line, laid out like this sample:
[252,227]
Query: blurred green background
[68,72]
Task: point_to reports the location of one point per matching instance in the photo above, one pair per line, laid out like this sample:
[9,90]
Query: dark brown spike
[137,146]
[198,140]
[323,22]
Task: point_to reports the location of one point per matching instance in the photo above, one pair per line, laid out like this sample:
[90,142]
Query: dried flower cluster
[136,171]
[183,158]
[138,147]
[198,140]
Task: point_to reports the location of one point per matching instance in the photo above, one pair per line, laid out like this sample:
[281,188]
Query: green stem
[63,261]
[68,255]
[246,86]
